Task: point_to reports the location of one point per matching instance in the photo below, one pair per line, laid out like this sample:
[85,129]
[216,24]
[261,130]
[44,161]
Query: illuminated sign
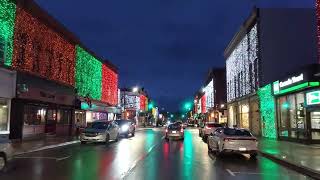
[313,97]
[291,81]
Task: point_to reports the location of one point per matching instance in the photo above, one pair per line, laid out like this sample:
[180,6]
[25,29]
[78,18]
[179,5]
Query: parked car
[209,128]
[201,128]
[174,131]
[126,127]
[6,154]
[233,140]
[100,131]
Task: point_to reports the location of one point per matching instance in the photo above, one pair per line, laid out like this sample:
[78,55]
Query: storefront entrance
[51,121]
[314,124]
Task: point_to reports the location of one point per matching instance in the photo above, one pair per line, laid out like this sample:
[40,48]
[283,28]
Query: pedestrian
[78,126]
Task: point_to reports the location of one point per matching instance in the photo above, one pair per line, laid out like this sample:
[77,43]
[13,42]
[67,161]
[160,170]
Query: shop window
[64,117]
[3,115]
[34,115]
[244,121]
[292,111]
[2,50]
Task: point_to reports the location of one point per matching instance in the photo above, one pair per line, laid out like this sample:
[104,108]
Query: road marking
[135,163]
[230,172]
[39,157]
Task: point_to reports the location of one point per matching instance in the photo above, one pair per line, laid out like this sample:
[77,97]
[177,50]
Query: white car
[6,154]
[101,131]
[233,140]
[209,128]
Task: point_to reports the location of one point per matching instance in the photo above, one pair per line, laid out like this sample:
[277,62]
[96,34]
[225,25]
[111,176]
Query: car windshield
[174,126]
[237,132]
[100,125]
[122,122]
[214,125]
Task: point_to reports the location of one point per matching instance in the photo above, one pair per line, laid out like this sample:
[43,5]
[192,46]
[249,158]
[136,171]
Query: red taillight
[208,127]
[166,130]
[181,130]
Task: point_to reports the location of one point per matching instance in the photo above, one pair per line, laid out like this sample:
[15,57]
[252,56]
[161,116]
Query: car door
[216,138]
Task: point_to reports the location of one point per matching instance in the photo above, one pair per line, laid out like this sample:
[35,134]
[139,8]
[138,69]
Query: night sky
[166,46]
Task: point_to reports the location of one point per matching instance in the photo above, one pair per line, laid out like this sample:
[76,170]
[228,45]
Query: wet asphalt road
[145,156]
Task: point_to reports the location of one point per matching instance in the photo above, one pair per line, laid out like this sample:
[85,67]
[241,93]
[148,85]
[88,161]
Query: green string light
[88,74]
[267,112]
[7,18]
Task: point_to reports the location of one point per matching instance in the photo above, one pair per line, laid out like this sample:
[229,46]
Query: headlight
[124,128]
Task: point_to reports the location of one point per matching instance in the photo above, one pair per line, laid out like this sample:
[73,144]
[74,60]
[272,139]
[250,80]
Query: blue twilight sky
[166,46]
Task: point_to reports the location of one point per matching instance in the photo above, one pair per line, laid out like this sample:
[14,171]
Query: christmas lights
[203,104]
[242,67]
[109,86]
[41,51]
[209,89]
[318,25]
[7,18]
[88,74]
[143,101]
[267,112]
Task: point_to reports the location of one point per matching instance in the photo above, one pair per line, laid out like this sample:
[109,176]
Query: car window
[237,132]
[214,125]
[99,125]
[174,126]
[122,122]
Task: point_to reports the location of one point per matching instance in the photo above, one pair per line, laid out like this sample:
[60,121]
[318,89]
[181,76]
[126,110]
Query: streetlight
[135,89]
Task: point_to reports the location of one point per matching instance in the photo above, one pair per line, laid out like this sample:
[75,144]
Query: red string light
[41,51]
[143,100]
[109,85]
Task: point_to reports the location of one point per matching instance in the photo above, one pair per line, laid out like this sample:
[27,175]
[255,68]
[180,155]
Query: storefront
[7,92]
[89,111]
[298,106]
[41,110]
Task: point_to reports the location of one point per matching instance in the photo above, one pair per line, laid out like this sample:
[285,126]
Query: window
[34,115]
[2,50]
[64,116]
[4,115]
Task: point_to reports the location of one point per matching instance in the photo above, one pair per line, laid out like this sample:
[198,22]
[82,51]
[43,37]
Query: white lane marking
[230,172]
[135,163]
[42,157]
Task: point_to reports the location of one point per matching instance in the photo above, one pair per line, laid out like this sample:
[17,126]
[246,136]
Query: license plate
[242,149]
[174,132]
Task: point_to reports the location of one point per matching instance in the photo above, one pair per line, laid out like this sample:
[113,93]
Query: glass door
[315,124]
[51,121]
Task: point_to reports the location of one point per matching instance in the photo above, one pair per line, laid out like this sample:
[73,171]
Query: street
[145,156]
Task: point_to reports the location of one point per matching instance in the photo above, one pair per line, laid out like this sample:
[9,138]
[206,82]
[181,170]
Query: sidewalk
[300,157]
[28,146]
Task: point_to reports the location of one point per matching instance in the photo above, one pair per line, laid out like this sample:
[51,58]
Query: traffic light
[150,106]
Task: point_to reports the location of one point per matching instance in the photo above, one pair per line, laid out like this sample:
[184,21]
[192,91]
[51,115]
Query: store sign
[291,81]
[276,87]
[313,97]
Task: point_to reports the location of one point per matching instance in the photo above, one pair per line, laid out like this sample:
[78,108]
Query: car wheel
[253,156]
[107,140]
[3,162]
[83,142]
[117,138]
[133,134]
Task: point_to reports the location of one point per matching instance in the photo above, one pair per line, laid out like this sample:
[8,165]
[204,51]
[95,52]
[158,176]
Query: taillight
[208,127]
[181,130]
[166,130]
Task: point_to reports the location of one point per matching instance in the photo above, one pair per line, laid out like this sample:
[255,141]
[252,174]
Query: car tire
[83,142]
[107,140]
[3,162]
[133,134]
[253,156]
[117,138]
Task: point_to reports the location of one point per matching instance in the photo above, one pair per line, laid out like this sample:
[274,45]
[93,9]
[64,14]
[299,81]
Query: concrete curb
[301,169]
[48,147]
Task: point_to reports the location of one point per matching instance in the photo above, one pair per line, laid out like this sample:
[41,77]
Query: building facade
[263,44]
[51,78]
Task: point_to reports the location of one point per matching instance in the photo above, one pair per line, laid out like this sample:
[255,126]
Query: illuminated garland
[241,67]
[7,17]
[203,104]
[318,25]
[143,102]
[88,74]
[267,112]
[41,51]
[109,86]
